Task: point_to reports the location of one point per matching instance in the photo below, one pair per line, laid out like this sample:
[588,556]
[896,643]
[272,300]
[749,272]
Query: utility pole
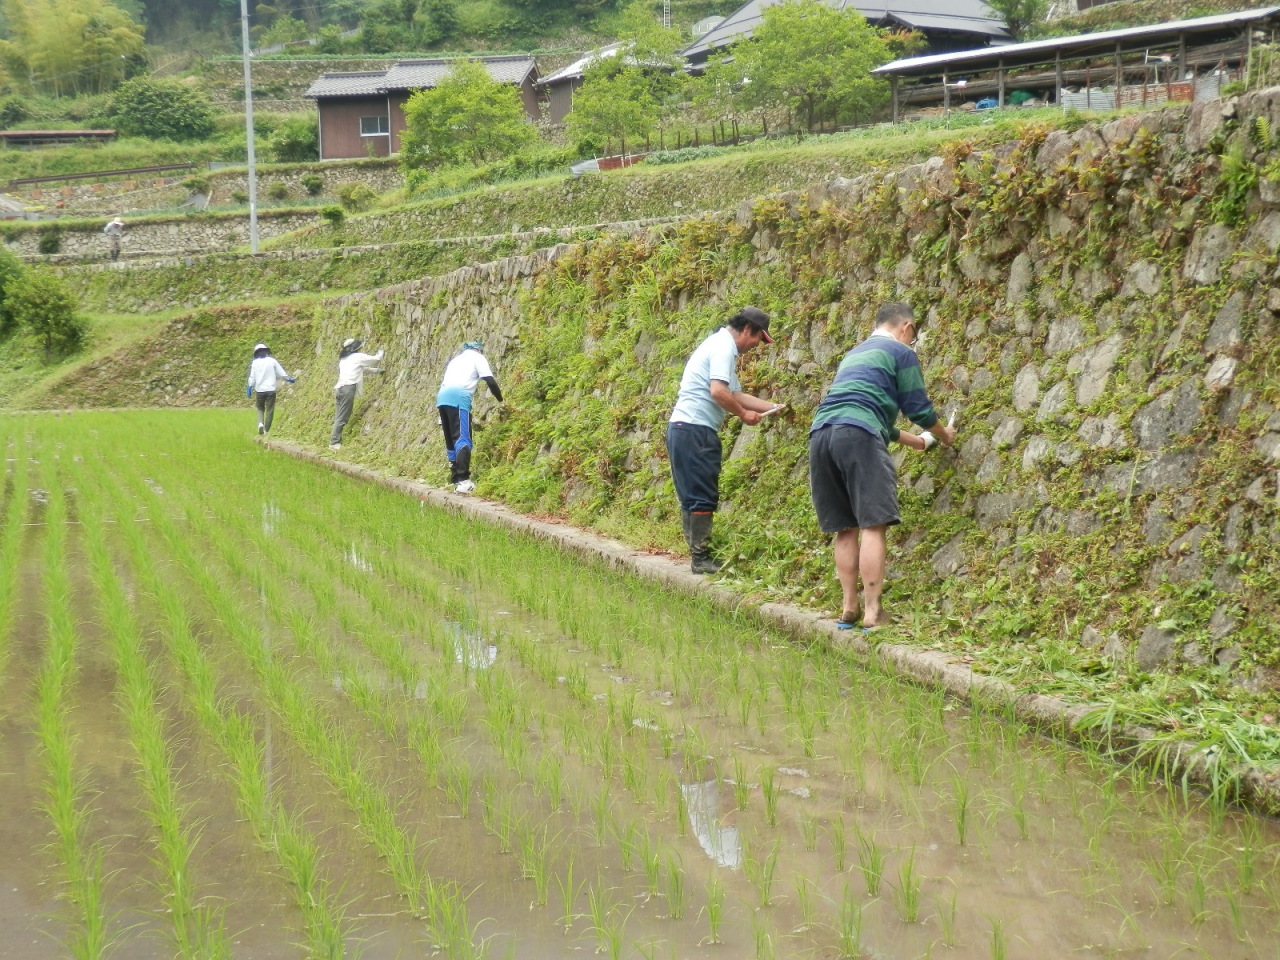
[248,125]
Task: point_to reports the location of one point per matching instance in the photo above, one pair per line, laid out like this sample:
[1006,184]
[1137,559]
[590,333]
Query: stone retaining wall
[108,198]
[193,232]
[1104,321]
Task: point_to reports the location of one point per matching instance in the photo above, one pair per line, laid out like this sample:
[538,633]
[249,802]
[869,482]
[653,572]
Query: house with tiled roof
[362,114]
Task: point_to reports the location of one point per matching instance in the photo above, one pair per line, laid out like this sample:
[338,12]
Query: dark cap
[757,318]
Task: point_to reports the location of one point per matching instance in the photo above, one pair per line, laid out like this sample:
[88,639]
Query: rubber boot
[700,543]
[684,525]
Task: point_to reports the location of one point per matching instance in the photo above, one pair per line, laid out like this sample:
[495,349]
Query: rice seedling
[849,926]
[947,919]
[603,818]
[839,841]
[569,893]
[809,831]
[458,787]
[608,925]
[551,778]
[871,861]
[761,870]
[675,889]
[907,892]
[999,939]
[714,910]
[960,808]
[651,858]
[1197,894]
[769,789]
[1235,913]
[741,788]
[806,901]
[627,844]
[761,937]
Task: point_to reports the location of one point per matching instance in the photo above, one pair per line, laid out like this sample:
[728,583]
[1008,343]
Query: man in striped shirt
[851,476]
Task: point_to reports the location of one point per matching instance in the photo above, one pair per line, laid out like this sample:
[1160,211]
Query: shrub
[277,191]
[239,196]
[42,303]
[313,183]
[13,109]
[295,140]
[356,196]
[333,215]
[162,110]
[11,269]
[50,240]
[196,185]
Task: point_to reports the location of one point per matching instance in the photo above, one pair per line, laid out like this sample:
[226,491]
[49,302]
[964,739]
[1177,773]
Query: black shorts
[852,479]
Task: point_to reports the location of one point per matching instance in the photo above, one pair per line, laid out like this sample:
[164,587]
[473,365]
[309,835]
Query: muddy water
[993,842]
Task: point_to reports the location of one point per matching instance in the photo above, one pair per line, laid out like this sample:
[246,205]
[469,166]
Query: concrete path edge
[932,668]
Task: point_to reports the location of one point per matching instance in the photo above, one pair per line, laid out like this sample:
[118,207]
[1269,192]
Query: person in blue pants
[453,402]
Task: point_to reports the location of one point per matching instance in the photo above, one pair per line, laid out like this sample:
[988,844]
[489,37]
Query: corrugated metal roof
[957,16]
[574,70]
[347,85]
[1033,51]
[415,75]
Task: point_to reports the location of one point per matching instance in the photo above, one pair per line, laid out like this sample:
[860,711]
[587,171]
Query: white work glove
[930,441]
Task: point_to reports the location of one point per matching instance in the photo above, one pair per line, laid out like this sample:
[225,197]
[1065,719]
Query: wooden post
[1000,95]
[1088,87]
[893,90]
[946,96]
[1057,70]
[1182,57]
[1248,55]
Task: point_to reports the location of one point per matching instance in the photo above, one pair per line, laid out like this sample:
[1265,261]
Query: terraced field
[255,709]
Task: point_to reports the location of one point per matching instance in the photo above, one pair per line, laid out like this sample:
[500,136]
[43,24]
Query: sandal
[848,619]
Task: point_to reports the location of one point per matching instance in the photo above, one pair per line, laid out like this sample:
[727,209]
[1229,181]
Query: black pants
[694,452]
[266,407]
[344,402]
[455,423]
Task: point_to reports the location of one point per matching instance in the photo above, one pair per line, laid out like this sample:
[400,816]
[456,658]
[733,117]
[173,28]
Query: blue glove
[249,392]
[292,379]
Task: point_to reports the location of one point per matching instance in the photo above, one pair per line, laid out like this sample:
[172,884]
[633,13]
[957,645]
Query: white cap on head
[260,346]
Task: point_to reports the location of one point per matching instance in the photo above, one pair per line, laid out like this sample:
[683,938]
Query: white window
[374,126]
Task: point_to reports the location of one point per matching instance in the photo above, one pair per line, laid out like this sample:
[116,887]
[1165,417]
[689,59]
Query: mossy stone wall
[1101,309]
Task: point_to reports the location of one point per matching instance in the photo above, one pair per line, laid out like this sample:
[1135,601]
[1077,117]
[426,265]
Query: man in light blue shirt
[708,389]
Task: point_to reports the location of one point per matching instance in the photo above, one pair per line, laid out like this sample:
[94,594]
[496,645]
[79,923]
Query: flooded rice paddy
[251,708]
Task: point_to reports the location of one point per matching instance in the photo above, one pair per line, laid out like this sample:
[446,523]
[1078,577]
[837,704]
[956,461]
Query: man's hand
[945,435]
[750,417]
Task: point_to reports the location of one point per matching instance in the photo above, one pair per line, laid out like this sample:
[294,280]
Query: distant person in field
[453,402]
[115,236]
[352,366]
[264,372]
[852,478]
[709,388]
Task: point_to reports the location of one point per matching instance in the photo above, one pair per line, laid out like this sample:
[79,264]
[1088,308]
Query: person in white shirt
[709,389]
[115,234]
[263,374]
[352,366]
[453,401]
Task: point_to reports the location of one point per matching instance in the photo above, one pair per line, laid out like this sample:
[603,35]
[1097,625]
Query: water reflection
[470,647]
[357,561]
[271,516]
[718,840]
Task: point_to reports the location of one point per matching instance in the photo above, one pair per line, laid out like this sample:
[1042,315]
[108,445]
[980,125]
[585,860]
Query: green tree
[295,140]
[11,270]
[70,47]
[440,20]
[1020,16]
[625,97]
[468,118]
[42,303]
[815,61]
[162,110]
